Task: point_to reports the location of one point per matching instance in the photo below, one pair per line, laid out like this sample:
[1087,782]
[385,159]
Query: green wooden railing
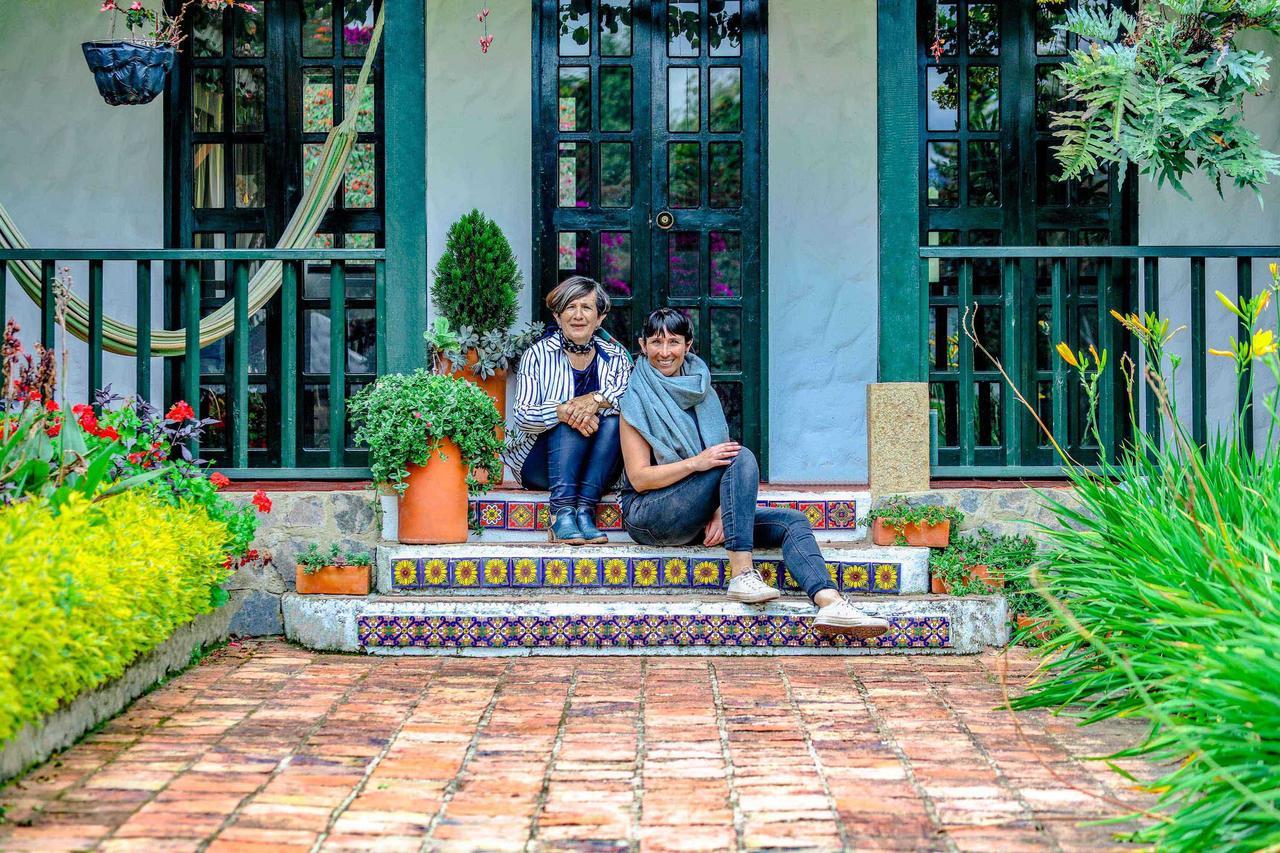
[1124,278]
[181,268]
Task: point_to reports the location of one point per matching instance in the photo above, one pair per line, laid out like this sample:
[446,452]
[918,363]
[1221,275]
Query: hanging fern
[1165,90]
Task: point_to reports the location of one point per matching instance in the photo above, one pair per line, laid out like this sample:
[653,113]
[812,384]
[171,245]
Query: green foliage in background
[403,417]
[89,587]
[1166,89]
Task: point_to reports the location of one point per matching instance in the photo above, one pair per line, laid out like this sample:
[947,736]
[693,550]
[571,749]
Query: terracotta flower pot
[334,580]
[919,535]
[433,510]
[495,386]
[938,586]
[994,580]
[1039,627]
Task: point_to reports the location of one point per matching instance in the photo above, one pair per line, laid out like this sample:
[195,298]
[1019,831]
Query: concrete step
[516,515]
[689,624]
[502,567]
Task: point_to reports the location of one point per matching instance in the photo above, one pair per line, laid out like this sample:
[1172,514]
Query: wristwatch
[600,399]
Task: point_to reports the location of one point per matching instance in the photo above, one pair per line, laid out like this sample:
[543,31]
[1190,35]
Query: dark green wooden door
[255,96]
[987,179]
[649,148]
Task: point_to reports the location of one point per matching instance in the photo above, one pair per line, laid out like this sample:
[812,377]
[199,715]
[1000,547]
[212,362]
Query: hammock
[122,338]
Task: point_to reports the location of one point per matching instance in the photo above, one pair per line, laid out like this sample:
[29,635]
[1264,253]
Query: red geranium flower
[52,431]
[81,409]
[181,411]
[108,433]
[137,458]
[261,501]
[218,479]
[52,406]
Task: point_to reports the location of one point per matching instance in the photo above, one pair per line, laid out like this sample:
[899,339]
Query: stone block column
[898,437]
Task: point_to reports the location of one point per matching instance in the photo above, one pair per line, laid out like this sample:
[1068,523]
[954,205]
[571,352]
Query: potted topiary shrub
[332,572]
[474,293]
[426,433]
[896,522]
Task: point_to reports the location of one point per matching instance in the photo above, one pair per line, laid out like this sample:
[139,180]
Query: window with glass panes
[256,95]
[987,179]
[649,152]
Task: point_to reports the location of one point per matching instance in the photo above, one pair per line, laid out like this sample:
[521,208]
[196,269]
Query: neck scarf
[659,406]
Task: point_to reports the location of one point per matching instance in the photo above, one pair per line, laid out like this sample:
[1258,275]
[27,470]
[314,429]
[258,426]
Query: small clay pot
[1039,627]
[333,580]
[994,580]
[938,586]
[918,535]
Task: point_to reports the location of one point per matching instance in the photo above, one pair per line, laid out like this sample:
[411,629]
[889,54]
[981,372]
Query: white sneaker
[841,617]
[750,588]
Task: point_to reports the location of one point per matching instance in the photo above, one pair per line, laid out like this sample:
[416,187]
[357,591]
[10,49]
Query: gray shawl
[658,407]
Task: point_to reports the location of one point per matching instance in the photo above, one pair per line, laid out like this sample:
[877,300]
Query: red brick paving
[265,746]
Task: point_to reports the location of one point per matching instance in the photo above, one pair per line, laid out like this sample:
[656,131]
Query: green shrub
[477,278]
[90,586]
[1164,581]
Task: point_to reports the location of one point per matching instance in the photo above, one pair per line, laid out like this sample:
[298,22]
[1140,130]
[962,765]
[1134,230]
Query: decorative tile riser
[620,573]
[535,515]
[636,632]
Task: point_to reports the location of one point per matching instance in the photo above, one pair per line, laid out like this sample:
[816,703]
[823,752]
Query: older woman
[687,482]
[565,424]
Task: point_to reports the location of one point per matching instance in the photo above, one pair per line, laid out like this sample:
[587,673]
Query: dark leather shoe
[591,534]
[564,528]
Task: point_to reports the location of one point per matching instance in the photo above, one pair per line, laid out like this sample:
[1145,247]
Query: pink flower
[108,6]
[482,14]
[136,7]
[485,41]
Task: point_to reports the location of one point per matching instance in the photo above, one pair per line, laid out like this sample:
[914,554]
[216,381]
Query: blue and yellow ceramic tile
[815,512]
[609,517]
[644,572]
[464,573]
[435,573]
[405,574]
[708,573]
[492,515]
[842,515]
[615,572]
[496,571]
[788,581]
[544,516]
[586,571]
[524,571]
[675,571]
[522,515]
[855,577]
[833,572]
[886,578]
[768,570]
[555,571]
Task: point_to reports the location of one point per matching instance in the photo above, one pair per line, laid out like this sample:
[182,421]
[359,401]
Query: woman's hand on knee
[588,426]
[714,534]
[715,456]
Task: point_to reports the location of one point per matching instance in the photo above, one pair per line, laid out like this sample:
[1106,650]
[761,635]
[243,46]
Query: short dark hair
[574,288]
[669,320]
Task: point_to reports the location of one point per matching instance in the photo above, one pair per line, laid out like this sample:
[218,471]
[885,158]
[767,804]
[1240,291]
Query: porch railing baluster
[4,286]
[1058,327]
[1107,406]
[191,358]
[240,368]
[1244,390]
[143,323]
[380,312]
[1151,305]
[337,363]
[1199,366]
[289,365]
[1010,278]
[95,330]
[966,348]
[48,307]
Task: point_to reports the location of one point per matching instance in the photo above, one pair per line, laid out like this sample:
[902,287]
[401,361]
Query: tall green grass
[1164,580]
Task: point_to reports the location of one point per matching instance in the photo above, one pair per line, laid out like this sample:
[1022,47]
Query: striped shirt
[544,380]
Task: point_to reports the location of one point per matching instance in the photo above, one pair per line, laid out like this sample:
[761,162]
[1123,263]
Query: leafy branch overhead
[1165,89]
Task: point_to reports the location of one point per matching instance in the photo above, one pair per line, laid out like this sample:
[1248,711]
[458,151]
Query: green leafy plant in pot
[426,433]
[897,522]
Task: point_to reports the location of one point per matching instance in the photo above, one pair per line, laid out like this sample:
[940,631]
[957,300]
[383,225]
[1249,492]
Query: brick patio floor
[265,746]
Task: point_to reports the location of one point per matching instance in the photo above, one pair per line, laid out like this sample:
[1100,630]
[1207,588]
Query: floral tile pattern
[569,570]
[535,515]
[636,631]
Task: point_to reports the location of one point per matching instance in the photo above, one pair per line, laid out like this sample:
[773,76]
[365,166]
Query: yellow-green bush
[87,589]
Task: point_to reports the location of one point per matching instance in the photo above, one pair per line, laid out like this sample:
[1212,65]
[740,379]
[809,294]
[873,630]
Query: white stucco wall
[1236,218]
[74,172]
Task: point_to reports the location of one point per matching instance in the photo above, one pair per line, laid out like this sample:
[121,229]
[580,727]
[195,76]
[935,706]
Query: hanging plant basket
[127,72]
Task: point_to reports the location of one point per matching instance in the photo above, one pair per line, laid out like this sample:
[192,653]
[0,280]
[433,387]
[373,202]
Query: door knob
[665,220]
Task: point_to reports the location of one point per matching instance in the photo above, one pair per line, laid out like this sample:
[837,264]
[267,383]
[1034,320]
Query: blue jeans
[678,515]
[576,468]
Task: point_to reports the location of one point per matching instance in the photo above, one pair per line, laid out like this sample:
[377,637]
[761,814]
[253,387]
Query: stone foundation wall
[350,518]
[1010,511]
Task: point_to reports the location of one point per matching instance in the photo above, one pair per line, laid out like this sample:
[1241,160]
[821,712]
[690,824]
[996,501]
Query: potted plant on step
[426,434]
[897,522]
[333,572]
[474,293]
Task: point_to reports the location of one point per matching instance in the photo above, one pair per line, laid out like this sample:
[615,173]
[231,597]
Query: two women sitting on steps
[686,481]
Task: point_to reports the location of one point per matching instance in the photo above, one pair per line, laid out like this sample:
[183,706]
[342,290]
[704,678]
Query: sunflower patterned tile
[495,572]
[887,578]
[855,577]
[709,573]
[435,573]
[586,571]
[464,573]
[616,572]
[406,574]
[675,572]
[644,572]
[556,571]
[768,571]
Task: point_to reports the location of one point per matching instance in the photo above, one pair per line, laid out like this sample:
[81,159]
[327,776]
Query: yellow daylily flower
[1132,322]
[1231,306]
[1264,343]
[1264,299]
[1067,355]
[1273,269]
[1222,352]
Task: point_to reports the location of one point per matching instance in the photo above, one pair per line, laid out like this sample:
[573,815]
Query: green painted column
[405,96]
[903,317]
